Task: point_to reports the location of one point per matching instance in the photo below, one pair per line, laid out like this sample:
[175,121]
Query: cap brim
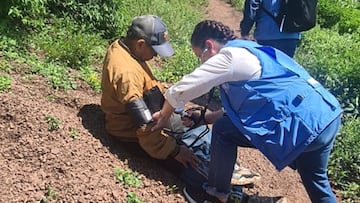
[164,50]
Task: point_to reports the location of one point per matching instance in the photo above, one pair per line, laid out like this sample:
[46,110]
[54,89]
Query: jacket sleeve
[248,20]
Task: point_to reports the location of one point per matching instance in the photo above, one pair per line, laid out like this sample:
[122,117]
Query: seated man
[126,78]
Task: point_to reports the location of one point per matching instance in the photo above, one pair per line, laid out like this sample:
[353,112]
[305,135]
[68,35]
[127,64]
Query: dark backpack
[295,15]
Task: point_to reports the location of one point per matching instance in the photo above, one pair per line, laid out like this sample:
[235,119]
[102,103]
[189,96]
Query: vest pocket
[257,113]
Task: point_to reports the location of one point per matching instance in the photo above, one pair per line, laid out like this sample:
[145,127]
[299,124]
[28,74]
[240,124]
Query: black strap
[202,117]
[203,110]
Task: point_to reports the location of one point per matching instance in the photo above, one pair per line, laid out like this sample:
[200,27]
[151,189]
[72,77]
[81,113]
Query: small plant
[49,196]
[5,83]
[91,77]
[54,123]
[73,133]
[5,66]
[57,75]
[172,189]
[127,178]
[51,97]
[131,197]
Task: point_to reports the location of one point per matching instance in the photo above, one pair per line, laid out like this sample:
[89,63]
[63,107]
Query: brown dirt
[34,160]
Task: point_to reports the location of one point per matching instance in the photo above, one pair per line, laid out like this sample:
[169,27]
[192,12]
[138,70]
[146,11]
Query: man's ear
[140,43]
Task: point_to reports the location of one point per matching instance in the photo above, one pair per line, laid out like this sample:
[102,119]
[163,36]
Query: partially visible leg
[312,165]
[225,140]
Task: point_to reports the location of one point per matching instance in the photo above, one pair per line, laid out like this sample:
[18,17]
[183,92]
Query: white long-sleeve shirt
[230,64]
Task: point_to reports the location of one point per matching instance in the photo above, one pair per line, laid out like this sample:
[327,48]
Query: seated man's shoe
[243,176]
[193,196]
[201,196]
[265,199]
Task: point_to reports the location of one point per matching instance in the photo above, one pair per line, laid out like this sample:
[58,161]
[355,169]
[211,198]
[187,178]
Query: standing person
[266,30]
[271,104]
[126,77]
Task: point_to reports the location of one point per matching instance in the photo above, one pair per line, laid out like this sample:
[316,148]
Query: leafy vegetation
[65,40]
[131,197]
[73,133]
[50,196]
[333,59]
[54,123]
[127,178]
[344,166]
[341,15]
[5,83]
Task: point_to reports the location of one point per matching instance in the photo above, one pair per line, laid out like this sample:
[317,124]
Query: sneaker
[244,176]
[236,196]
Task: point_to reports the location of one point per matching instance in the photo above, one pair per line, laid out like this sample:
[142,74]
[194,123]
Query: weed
[51,97]
[127,178]
[172,189]
[5,83]
[49,196]
[54,123]
[5,66]
[91,77]
[58,76]
[73,133]
[131,197]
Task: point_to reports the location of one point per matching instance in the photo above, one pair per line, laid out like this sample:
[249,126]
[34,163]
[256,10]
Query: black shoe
[193,196]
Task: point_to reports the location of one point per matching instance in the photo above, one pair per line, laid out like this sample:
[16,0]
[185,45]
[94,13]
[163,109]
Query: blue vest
[284,110]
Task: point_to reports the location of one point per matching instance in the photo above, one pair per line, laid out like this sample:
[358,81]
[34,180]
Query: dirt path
[221,11]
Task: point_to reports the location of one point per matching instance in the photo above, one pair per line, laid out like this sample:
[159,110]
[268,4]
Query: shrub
[344,165]
[333,59]
[24,13]
[107,16]
[69,44]
[103,15]
[350,21]
[339,14]
[329,13]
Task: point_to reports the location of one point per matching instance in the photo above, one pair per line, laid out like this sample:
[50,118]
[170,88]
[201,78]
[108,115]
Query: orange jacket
[125,79]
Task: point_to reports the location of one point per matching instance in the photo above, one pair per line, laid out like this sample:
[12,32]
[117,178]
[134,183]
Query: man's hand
[187,157]
[159,121]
